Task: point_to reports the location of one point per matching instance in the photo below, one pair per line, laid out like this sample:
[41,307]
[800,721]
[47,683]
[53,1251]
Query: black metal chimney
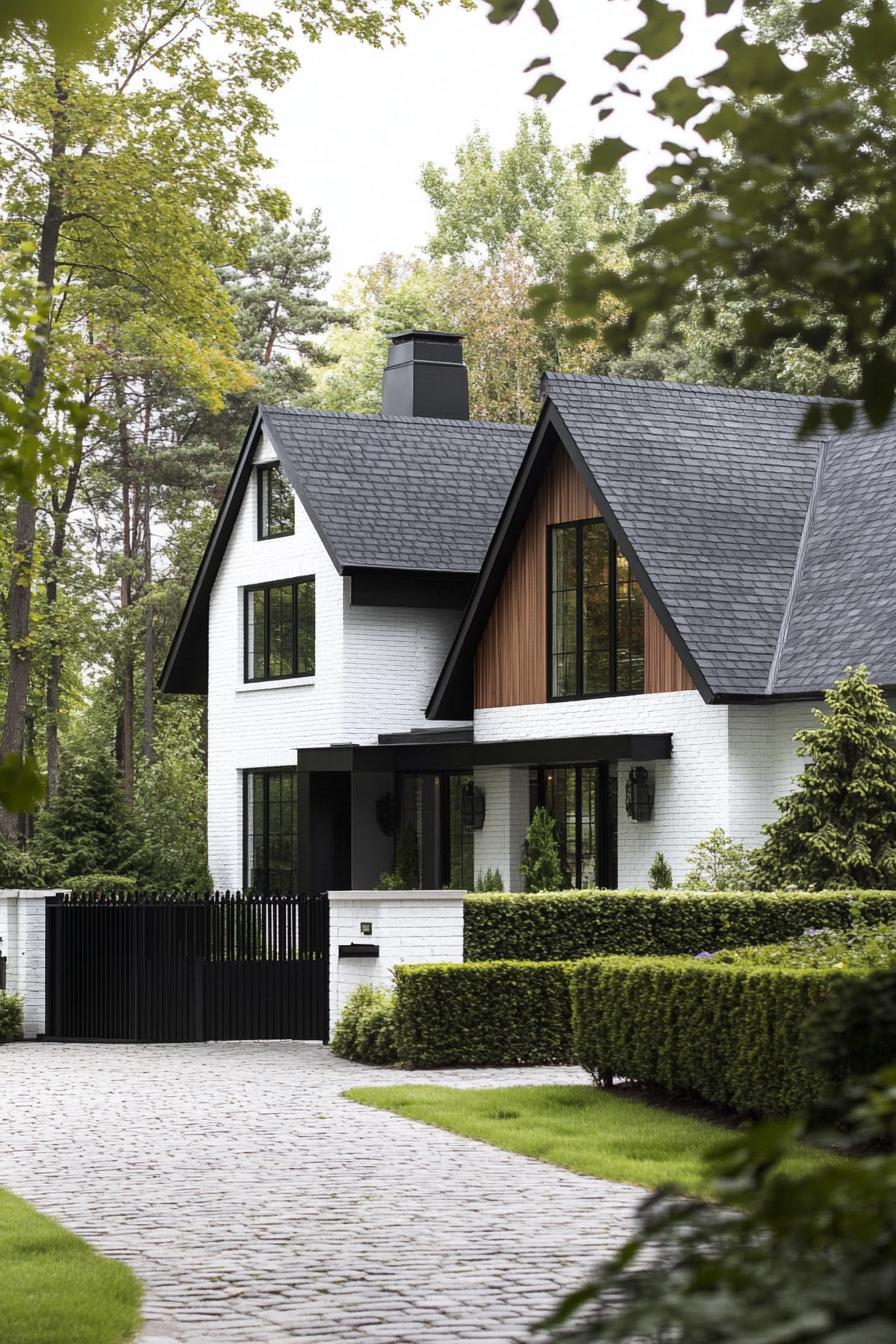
[425,374]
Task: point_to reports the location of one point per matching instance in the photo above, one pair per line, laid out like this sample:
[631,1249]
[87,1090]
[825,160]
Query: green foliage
[569,925]
[19,868]
[660,873]
[405,876]
[719,863]
[11,1019]
[734,1035]
[171,803]
[366,1030]
[540,868]
[798,211]
[853,1029]
[838,827]
[490,1013]
[103,882]
[808,1257]
[89,827]
[871,947]
[490,880]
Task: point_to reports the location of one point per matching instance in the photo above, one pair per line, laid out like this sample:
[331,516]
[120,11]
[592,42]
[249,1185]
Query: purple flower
[703,956]
[812,933]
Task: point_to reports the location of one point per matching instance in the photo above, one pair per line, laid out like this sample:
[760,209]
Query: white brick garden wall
[729,763]
[407,926]
[374,672]
[23,922]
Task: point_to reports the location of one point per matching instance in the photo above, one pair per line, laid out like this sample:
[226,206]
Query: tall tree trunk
[61,510]
[149,676]
[20,579]
[127,664]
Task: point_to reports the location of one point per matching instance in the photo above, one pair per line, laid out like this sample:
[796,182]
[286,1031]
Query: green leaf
[679,101]
[547,15]
[717,7]
[842,413]
[621,59]
[547,87]
[811,421]
[503,11]
[605,155]
[661,31]
[820,16]
[21,783]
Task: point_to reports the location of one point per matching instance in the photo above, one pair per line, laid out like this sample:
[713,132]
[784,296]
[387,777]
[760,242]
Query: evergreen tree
[89,827]
[838,827]
[660,873]
[541,869]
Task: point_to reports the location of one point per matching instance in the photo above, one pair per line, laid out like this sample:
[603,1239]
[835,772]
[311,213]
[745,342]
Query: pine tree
[89,826]
[660,873]
[838,827]
[541,869]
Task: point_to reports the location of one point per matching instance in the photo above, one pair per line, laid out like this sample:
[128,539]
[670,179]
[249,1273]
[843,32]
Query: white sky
[356,124]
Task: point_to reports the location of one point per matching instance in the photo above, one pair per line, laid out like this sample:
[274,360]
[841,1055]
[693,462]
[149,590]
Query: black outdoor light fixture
[472,808]
[639,794]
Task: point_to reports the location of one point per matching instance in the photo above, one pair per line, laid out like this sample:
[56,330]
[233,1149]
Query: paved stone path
[260,1206]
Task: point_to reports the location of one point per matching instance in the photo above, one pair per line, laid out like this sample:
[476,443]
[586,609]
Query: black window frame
[613,614]
[263,475]
[266,773]
[266,588]
[606,819]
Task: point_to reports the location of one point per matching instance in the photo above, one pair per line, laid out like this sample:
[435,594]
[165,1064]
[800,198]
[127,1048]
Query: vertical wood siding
[511,661]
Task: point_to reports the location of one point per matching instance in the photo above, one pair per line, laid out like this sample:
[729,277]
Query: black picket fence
[142,966]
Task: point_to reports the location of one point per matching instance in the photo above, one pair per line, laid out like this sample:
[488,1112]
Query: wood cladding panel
[511,661]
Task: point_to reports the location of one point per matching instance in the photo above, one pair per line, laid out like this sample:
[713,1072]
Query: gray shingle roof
[843,609]
[711,487]
[400,492]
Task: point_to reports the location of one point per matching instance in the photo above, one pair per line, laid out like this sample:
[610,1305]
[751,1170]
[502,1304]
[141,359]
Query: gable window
[271,830]
[279,630]
[596,615]
[276,503]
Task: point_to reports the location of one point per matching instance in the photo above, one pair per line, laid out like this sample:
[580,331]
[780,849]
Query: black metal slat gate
[157,968]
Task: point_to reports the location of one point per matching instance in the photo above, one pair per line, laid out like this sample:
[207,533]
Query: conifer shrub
[490,880]
[366,1030]
[838,826]
[660,873]
[11,1018]
[491,1013]
[541,869]
[89,827]
[405,875]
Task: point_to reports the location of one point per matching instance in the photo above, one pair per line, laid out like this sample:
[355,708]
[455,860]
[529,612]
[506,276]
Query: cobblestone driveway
[259,1206]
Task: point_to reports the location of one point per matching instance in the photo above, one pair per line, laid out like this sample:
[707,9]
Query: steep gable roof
[707,491]
[389,493]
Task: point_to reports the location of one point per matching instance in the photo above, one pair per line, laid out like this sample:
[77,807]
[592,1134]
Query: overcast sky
[356,124]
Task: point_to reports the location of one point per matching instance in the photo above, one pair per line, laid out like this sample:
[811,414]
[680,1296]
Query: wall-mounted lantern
[387,813]
[639,794]
[472,808]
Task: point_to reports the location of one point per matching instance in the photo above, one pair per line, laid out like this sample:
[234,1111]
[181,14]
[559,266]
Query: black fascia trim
[628,550]
[452,697]
[431,757]
[173,679]
[440,589]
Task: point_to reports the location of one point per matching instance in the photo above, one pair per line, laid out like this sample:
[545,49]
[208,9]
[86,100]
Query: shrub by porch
[567,926]
[11,1013]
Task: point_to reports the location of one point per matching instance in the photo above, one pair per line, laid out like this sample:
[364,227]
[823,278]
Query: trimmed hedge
[566,926]
[10,1018]
[366,1029]
[489,1013]
[733,1034]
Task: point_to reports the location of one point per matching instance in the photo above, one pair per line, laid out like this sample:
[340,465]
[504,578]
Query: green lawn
[582,1128]
[54,1289]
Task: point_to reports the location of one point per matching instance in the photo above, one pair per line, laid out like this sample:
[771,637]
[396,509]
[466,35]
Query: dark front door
[582,799]
[331,830]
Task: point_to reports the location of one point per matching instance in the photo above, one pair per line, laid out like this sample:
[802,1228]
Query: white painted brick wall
[500,842]
[374,672]
[23,925]
[729,763]
[408,927]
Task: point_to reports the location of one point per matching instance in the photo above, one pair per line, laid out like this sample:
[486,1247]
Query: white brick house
[414,623]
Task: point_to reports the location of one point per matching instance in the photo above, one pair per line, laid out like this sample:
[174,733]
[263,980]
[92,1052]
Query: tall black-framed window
[583,802]
[595,615]
[276,503]
[278,630]
[431,805]
[271,830]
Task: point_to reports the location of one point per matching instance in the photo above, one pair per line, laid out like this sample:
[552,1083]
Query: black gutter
[433,756]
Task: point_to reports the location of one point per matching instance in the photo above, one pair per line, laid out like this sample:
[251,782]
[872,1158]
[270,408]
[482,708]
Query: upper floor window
[596,615]
[276,503]
[279,630]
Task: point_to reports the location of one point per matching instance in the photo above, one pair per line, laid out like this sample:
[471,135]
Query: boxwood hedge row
[566,926]
[731,1034]
[490,1013]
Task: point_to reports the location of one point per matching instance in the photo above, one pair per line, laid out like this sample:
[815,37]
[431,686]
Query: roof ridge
[612,380]
[798,564]
[374,418]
